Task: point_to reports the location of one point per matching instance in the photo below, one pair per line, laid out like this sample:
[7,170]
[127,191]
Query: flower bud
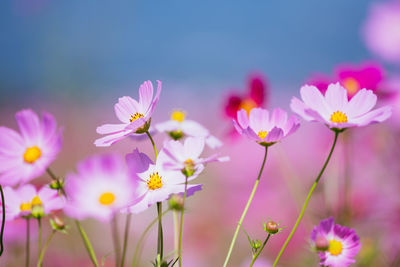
[144,128]
[37,211]
[57,184]
[189,168]
[271,227]
[256,244]
[321,243]
[176,135]
[176,202]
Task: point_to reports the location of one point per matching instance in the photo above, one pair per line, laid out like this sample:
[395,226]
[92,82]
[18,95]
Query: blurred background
[76,58]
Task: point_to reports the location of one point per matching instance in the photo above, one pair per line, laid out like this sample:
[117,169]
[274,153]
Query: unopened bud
[321,243]
[56,184]
[189,168]
[271,227]
[144,128]
[37,211]
[176,135]
[256,244]
[176,202]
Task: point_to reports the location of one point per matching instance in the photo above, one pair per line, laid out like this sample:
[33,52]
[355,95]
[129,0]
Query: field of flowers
[162,173]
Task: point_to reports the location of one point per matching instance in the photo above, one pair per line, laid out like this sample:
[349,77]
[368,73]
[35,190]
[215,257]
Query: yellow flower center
[178,115]
[36,201]
[247,104]
[335,247]
[25,206]
[154,182]
[32,154]
[262,134]
[107,198]
[338,117]
[352,86]
[136,116]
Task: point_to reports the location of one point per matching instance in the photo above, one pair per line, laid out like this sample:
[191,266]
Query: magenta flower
[154,182]
[101,187]
[26,155]
[254,97]
[135,116]
[178,127]
[337,245]
[185,157]
[263,128]
[381,30]
[21,201]
[335,110]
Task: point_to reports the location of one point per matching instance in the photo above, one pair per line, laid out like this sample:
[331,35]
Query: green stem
[126,236]
[3,219]
[160,239]
[28,242]
[87,243]
[259,251]
[307,200]
[141,238]
[152,142]
[116,241]
[43,251]
[181,224]
[55,178]
[245,209]
[39,220]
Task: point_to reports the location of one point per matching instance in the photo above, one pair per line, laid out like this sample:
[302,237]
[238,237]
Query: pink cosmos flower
[101,187]
[382,30]
[178,127]
[337,245]
[21,201]
[254,97]
[335,110]
[135,116]
[263,128]
[26,155]
[185,157]
[155,183]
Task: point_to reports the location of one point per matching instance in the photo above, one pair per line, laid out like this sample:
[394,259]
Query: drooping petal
[112,138]
[377,115]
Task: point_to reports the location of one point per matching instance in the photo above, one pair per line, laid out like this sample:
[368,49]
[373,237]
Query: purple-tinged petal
[274,135]
[138,162]
[29,125]
[11,143]
[242,119]
[110,128]
[125,108]
[112,138]
[145,95]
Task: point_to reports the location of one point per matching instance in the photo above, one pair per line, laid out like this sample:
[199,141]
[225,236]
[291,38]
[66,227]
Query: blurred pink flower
[26,155]
[335,110]
[185,156]
[254,97]
[342,243]
[320,80]
[135,116]
[19,202]
[101,187]
[382,30]
[155,183]
[263,128]
[178,126]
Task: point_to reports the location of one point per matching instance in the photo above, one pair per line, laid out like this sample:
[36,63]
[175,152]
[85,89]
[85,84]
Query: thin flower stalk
[28,242]
[116,241]
[259,251]
[126,236]
[87,243]
[3,220]
[181,224]
[245,209]
[43,250]
[307,200]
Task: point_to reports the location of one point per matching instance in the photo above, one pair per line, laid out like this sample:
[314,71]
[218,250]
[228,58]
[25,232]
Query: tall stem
[152,142]
[176,233]
[3,219]
[43,251]
[28,242]
[259,251]
[39,220]
[115,236]
[87,244]
[126,236]
[181,224]
[245,209]
[160,240]
[141,238]
[307,200]
[55,178]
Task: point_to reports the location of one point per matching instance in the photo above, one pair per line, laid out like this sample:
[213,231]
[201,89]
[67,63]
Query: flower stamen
[107,198]
[178,116]
[338,117]
[262,134]
[32,154]
[154,182]
[136,116]
[335,247]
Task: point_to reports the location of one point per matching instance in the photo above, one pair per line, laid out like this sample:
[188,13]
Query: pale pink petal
[145,95]
[11,143]
[259,119]
[291,125]
[242,119]
[361,103]
[49,125]
[313,98]
[167,126]
[377,115]
[336,97]
[193,147]
[29,125]
[278,117]
[299,108]
[155,100]
[213,142]
[110,128]
[112,138]
[251,134]
[192,128]
[125,108]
